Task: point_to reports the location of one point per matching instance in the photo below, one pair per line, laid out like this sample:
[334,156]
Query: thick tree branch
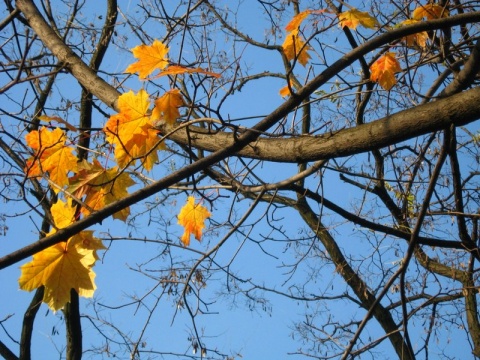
[456,110]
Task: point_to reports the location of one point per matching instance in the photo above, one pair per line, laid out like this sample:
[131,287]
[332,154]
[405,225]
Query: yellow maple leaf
[151,57]
[352,18]
[131,130]
[383,70]
[60,268]
[192,217]
[63,213]
[295,48]
[418,39]
[144,148]
[101,187]
[133,118]
[50,155]
[430,11]
[166,107]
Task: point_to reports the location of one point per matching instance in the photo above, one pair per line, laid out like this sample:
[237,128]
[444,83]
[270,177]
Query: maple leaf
[383,70]
[352,18]
[151,57]
[294,48]
[60,268]
[178,70]
[51,155]
[430,11]
[166,107]
[131,130]
[63,213]
[143,148]
[418,39]
[297,20]
[192,217]
[133,118]
[101,187]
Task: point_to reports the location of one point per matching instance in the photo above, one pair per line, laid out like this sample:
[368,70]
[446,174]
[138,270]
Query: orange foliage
[383,70]
[51,155]
[295,48]
[192,217]
[430,11]
[151,58]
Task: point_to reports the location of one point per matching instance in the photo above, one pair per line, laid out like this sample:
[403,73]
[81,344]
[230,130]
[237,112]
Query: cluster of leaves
[384,68]
[90,186]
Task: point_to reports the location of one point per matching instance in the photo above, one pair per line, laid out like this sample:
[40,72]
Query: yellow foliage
[64,266]
[51,155]
[352,18]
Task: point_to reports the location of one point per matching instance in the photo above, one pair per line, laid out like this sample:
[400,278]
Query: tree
[325,155]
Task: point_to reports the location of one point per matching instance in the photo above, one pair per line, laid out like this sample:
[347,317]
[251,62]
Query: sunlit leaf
[133,118]
[132,129]
[144,148]
[166,107]
[295,48]
[62,267]
[151,58]
[383,70]
[418,39]
[51,155]
[430,11]
[63,213]
[102,187]
[352,18]
[297,20]
[192,217]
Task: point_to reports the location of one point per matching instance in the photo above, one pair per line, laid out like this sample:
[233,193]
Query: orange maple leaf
[51,155]
[297,20]
[60,268]
[192,217]
[151,57]
[418,39]
[101,187]
[383,70]
[295,48]
[352,18]
[178,70]
[430,11]
[166,107]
